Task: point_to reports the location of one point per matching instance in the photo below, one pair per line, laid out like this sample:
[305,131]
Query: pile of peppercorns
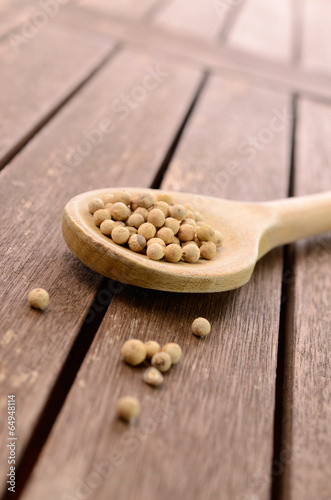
[155,227]
[134,352]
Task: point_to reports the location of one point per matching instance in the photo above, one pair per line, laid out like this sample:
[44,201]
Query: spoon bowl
[250,230]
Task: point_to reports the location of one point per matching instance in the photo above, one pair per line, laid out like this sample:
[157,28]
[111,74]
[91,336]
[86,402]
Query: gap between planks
[83,341]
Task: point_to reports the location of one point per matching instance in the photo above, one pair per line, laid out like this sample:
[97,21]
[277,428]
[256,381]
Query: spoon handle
[300,217]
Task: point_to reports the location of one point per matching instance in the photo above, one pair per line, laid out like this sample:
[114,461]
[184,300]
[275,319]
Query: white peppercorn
[178,212]
[166,235]
[152,347]
[155,251]
[156,240]
[95,204]
[163,206]
[127,408]
[137,243]
[143,212]
[186,232]
[201,327]
[208,250]
[191,253]
[120,235]
[161,361]
[153,376]
[217,239]
[147,230]
[165,197]
[173,253]
[133,352]
[205,233]
[156,217]
[38,298]
[174,351]
[100,215]
[120,212]
[135,220]
[146,200]
[172,224]
[122,196]
[107,226]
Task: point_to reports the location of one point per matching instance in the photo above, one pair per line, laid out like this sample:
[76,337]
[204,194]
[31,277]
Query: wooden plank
[264,28]
[126,8]
[307,441]
[204,54]
[62,163]
[62,59]
[209,430]
[199,19]
[316,39]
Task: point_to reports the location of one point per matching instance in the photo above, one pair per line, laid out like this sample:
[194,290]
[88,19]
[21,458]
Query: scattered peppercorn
[119,211]
[38,298]
[205,233]
[127,408]
[147,230]
[201,327]
[166,235]
[172,224]
[133,352]
[156,217]
[174,351]
[191,253]
[120,235]
[100,215]
[137,243]
[161,361]
[153,376]
[178,212]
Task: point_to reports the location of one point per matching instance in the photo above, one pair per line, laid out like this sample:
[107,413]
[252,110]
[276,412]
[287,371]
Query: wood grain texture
[203,53]
[35,345]
[316,52]
[207,433]
[264,28]
[198,19]
[126,8]
[307,440]
[62,59]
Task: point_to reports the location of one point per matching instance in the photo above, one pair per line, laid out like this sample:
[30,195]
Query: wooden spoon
[250,230]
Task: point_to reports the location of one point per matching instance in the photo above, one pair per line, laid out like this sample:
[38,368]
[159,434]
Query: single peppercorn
[100,215]
[152,348]
[163,206]
[186,232]
[120,212]
[174,351]
[191,253]
[135,220]
[134,204]
[120,235]
[166,235]
[161,361]
[107,226]
[155,251]
[153,376]
[127,408]
[173,253]
[172,224]
[156,217]
[38,298]
[137,243]
[178,212]
[122,196]
[133,352]
[208,250]
[108,198]
[95,204]
[205,233]
[201,327]
[146,200]
[147,230]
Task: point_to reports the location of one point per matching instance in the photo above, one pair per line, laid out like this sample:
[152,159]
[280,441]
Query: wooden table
[224,98]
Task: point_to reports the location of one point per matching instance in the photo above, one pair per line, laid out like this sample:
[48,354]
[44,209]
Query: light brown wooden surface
[307,439]
[62,59]
[34,353]
[212,438]
[227,418]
